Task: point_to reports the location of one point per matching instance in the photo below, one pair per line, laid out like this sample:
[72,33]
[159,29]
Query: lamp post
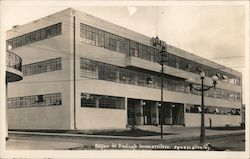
[161,45]
[202,90]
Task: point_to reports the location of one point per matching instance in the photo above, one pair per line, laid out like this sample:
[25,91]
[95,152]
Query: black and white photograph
[124,79]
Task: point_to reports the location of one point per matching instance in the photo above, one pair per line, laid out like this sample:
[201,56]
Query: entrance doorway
[173,113]
[145,112]
[178,114]
[150,113]
[134,112]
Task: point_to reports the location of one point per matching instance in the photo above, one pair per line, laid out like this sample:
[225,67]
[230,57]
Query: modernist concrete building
[81,72]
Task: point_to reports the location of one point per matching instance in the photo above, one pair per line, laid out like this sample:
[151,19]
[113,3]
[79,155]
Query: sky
[216,32]
[213,31]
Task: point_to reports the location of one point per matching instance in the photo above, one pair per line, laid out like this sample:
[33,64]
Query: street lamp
[161,45]
[202,90]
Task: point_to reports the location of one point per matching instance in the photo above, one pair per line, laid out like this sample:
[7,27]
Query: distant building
[81,72]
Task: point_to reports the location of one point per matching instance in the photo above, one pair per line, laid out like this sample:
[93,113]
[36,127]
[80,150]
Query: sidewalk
[146,135]
[171,133]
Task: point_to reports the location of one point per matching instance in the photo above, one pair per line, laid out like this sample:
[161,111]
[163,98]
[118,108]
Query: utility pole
[161,45]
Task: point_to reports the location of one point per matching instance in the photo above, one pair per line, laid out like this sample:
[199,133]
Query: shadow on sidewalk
[129,133]
[226,128]
[121,132]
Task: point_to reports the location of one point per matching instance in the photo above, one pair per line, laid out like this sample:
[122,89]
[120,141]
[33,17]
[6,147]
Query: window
[189,67]
[150,53]
[120,44]
[133,48]
[35,36]
[111,73]
[88,68]
[157,55]
[194,108]
[35,101]
[112,102]
[127,76]
[102,101]
[43,66]
[125,46]
[144,52]
[200,68]
[141,79]
[88,100]
[190,108]
[108,72]
[91,35]
[104,39]
[238,80]
[171,60]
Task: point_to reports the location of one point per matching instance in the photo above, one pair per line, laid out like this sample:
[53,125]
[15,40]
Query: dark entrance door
[134,112]
[173,114]
[147,115]
[177,114]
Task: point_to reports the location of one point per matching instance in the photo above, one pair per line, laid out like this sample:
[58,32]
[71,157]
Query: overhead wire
[78,42]
[69,23]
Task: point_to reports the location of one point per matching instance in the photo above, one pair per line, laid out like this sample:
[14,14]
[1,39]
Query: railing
[13,61]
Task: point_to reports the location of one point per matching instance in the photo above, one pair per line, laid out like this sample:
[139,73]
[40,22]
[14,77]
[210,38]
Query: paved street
[220,140]
[230,142]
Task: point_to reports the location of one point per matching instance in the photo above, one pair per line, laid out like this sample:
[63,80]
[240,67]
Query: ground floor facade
[105,105]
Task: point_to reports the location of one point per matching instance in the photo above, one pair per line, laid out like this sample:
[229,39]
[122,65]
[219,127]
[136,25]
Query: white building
[81,72]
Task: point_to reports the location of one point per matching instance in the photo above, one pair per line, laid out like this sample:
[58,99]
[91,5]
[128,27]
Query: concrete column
[97,103]
[154,113]
[141,111]
[117,76]
[126,111]
[170,114]
[138,112]
[136,80]
[157,113]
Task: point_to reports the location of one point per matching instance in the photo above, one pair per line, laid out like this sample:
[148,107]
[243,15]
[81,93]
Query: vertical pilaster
[171,114]
[157,113]
[126,111]
[184,113]
[141,112]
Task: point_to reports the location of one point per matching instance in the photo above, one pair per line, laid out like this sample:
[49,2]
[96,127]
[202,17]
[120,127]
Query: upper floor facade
[105,43]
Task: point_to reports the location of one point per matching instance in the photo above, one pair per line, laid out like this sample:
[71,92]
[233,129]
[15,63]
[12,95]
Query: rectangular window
[43,66]
[120,44]
[88,100]
[102,101]
[35,101]
[35,36]
[171,60]
[88,68]
[127,76]
[237,80]
[102,71]
[141,79]
[212,110]
[133,48]
[111,73]
[102,38]
[143,52]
